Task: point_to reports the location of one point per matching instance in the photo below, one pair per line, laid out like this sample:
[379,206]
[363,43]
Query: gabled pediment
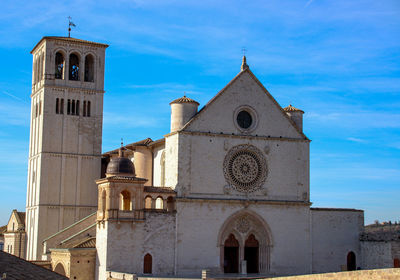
[244,93]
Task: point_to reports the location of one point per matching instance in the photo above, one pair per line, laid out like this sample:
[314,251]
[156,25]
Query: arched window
[73,107]
[170,204]
[159,203]
[162,163]
[89,68]
[57,105]
[34,71]
[74,67]
[43,69]
[69,107]
[88,109]
[125,201]
[59,71]
[351,261]
[103,200]
[59,269]
[147,202]
[62,106]
[147,264]
[40,68]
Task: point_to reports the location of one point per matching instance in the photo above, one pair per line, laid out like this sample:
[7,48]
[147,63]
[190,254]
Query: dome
[184,99]
[290,108]
[120,165]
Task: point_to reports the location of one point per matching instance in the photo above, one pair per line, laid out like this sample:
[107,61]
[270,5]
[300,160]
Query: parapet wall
[388,273]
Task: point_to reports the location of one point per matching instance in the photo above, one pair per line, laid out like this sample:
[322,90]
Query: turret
[296,115]
[182,110]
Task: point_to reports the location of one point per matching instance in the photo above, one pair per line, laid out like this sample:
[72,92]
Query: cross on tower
[244,50]
[70,23]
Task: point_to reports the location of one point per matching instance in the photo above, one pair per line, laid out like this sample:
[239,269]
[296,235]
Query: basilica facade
[227,190]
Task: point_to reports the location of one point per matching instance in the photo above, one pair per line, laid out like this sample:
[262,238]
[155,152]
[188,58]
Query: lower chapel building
[227,189]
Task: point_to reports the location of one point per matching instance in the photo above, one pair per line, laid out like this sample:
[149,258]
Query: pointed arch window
[89,68]
[74,67]
[59,66]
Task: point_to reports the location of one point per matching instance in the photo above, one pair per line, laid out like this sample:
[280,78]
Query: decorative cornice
[70,40]
[242,136]
[245,200]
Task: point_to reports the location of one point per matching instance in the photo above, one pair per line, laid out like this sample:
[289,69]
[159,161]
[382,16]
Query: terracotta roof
[17,268]
[145,142]
[88,243]
[69,39]
[290,108]
[21,217]
[85,242]
[184,99]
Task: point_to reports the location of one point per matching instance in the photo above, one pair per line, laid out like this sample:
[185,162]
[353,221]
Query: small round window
[244,119]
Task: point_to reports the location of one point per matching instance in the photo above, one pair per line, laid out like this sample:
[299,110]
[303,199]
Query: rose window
[245,168]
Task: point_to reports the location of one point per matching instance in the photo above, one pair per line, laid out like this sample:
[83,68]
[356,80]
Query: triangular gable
[203,111]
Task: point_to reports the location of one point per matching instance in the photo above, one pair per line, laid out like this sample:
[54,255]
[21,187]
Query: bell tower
[65,136]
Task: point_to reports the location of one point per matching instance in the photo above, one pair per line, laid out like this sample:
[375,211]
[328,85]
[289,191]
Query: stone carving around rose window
[245,168]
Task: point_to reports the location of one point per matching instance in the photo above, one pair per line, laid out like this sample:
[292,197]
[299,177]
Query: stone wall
[390,273]
[376,254]
[335,233]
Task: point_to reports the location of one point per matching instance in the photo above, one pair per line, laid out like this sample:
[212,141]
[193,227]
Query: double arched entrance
[245,242]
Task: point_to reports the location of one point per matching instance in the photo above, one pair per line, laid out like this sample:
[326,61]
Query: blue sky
[339,61]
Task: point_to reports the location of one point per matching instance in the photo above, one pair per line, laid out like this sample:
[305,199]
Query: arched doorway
[251,248]
[231,255]
[147,264]
[351,261]
[253,242]
[60,269]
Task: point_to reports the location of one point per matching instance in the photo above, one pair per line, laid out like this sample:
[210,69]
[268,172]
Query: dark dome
[120,165]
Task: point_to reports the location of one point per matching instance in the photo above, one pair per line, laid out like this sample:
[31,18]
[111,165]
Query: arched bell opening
[59,66]
[74,67]
[89,68]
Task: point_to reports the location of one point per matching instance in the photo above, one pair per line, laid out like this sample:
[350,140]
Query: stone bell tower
[65,136]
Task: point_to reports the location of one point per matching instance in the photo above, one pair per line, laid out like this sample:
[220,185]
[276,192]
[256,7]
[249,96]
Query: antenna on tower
[70,24]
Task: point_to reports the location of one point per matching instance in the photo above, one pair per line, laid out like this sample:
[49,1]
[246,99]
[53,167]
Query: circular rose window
[245,168]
